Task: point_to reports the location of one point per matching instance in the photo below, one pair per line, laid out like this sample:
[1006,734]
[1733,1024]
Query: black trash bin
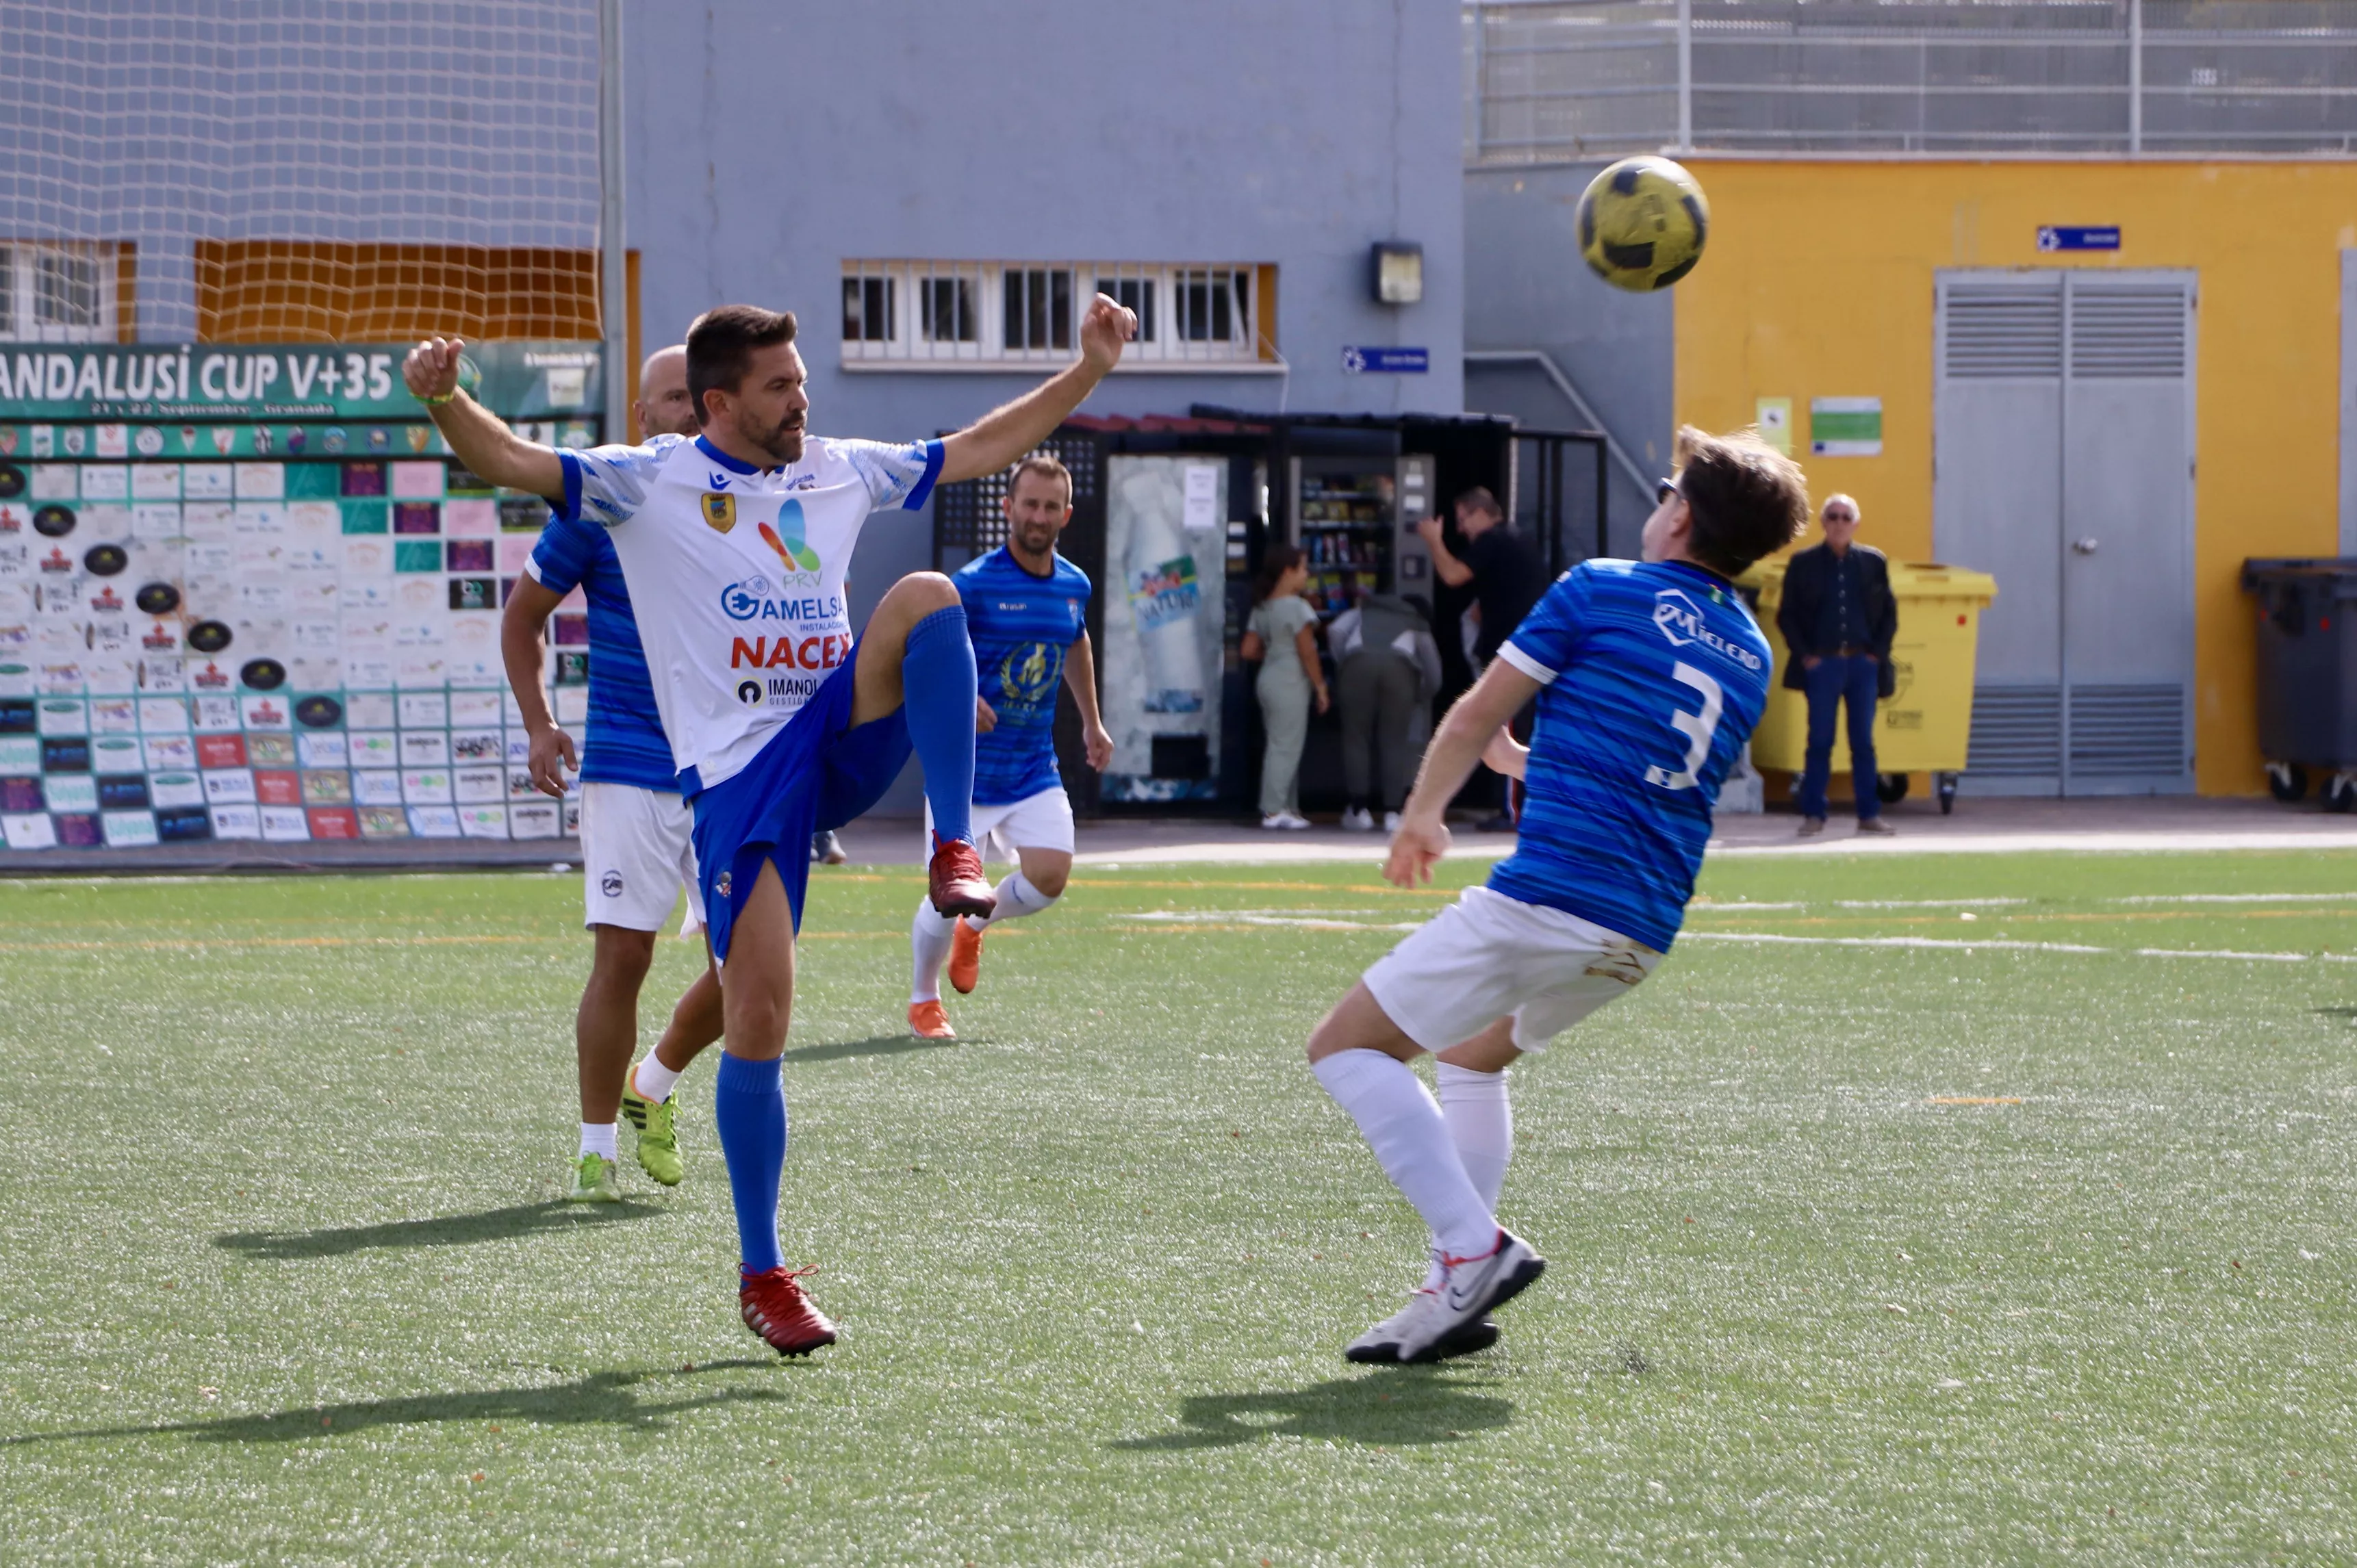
[2308,674]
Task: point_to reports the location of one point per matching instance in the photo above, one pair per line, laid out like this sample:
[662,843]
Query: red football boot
[776,1308]
[955,881]
[965,958]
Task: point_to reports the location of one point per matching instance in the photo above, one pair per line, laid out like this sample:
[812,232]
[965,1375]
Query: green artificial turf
[1862,1253]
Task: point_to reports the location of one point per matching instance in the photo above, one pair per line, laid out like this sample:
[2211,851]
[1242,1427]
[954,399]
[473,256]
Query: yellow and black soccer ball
[1642,222]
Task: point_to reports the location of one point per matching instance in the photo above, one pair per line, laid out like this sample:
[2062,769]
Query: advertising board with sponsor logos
[245,594]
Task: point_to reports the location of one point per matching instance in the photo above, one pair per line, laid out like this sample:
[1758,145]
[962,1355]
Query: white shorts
[1488,956]
[1036,822]
[638,850]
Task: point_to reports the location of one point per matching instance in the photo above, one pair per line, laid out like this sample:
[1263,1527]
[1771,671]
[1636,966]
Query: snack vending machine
[1355,517]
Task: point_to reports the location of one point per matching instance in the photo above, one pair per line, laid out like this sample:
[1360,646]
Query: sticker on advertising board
[28,830]
[128,830]
[383,822]
[183,824]
[334,823]
[285,824]
[174,789]
[236,823]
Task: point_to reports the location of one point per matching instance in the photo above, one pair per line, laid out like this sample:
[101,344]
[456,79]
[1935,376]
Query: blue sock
[748,1102]
[937,683]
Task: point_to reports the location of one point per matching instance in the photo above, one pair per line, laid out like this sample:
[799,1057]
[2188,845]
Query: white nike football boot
[1441,1321]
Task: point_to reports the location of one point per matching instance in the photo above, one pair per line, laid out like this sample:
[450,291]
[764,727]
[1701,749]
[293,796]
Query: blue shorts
[817,772]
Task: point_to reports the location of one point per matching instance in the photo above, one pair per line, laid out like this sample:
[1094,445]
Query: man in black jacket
[1838,617]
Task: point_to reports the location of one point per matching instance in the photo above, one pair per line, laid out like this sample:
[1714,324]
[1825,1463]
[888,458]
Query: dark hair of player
[1746,499]
[1279,560]
[720,345]
[1048,467]
[1479,498]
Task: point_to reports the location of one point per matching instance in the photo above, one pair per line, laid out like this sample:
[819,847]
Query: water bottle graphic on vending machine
[1164,594]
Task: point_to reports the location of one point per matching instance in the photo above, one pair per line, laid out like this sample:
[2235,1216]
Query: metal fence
[1568,81]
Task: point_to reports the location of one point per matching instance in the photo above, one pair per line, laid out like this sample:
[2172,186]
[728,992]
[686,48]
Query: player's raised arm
[477,437]
[1010,430]
[1473,720]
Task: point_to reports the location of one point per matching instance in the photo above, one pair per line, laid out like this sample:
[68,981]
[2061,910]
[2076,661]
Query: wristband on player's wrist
[435,401]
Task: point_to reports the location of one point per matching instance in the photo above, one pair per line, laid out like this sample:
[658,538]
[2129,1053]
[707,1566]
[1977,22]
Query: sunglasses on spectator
[1664,489]
[1841,517]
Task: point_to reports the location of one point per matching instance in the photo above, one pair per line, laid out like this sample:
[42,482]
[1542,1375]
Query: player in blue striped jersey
[1027,608]
[635,850]
[1649,676]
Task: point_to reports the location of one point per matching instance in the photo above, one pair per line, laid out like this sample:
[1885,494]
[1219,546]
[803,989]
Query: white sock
[598,1138]
[929,946]
[1481,1124]
[1402,1125]
[1016,898]
[651,1082]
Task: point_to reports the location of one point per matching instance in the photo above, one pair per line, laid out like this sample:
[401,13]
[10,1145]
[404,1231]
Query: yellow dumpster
[1923,727]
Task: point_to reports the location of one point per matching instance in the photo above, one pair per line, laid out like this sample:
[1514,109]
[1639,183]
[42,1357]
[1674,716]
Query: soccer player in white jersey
[734,545]
[1649,676]
[635,854]
[1028,610]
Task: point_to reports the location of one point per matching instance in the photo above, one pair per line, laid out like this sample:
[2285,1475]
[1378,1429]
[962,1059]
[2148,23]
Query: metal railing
[1571,80]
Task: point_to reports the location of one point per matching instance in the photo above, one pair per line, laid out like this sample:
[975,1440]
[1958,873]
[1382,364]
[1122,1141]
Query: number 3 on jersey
[1698,727]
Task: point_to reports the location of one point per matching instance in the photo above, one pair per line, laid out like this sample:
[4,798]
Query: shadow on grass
[874,1046]
[600,1399]
[1411,1405]
[508,1224]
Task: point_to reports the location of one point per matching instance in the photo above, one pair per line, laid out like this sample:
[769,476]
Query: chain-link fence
[1567,80]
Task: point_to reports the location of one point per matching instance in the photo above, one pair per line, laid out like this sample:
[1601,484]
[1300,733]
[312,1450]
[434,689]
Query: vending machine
[1355,517]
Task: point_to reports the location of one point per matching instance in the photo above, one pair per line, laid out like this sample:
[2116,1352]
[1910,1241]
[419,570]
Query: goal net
[243,591]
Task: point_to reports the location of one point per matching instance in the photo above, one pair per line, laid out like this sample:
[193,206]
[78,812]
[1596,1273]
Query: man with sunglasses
[1838,617]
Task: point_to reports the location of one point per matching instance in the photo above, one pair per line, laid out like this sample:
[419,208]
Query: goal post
[244,591]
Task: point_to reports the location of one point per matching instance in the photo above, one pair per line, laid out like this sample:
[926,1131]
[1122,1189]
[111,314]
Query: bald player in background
[636,853]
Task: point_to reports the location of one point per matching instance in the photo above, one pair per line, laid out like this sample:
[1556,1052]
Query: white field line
[1924,902]
[1764,938]
[2237,898]
[1263,918]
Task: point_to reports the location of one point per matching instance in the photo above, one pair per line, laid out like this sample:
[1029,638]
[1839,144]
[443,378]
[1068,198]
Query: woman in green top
[1282,635]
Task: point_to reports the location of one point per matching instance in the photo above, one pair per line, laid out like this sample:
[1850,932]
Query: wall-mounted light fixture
[1398,274]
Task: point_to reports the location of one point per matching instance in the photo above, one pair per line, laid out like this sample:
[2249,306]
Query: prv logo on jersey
[1682,622]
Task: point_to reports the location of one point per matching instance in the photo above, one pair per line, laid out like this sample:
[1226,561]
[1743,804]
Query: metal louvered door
[2063,446]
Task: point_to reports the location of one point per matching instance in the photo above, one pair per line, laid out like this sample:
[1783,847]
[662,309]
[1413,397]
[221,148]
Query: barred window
[60,291]
[998,315]
[868,310]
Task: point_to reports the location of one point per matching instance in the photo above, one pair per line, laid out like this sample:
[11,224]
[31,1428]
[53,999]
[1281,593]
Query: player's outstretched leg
[1361,1056]
[648,1100]
[748,1105]
[1031,888]
[915,654]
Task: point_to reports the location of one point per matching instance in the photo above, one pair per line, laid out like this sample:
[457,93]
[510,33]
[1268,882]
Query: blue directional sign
[1386,361]
[2069,237]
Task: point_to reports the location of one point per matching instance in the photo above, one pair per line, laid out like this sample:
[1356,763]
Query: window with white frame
[59,291]
[998,315]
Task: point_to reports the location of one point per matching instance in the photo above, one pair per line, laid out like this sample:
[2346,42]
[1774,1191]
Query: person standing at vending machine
[1282,635]
[1503,565]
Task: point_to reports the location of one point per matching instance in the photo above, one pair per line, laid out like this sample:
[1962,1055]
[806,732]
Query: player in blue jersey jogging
[635,850]
[1649,677]
[734,546]
[1028,610]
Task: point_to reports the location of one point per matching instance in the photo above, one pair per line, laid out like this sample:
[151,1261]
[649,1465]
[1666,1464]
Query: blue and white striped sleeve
[1544,646]
[607,484]
[898,476]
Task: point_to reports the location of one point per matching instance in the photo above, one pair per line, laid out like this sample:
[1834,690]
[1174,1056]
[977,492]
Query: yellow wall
[1818,282]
